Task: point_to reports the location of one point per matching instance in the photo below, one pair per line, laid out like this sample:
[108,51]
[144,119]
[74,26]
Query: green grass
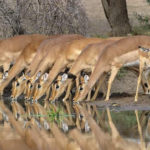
[101,36]
[141,30]
[57,115]
[122,72]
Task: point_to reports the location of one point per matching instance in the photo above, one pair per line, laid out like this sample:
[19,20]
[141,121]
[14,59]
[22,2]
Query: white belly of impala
[132,63]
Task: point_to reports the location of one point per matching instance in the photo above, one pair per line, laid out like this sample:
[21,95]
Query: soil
[123,93]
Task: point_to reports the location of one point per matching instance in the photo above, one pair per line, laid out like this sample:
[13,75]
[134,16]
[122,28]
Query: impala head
[57,86]
[18,87]
[146,81]
[145,51]
[61,83]
[30,85]
[83,80]
[146,73]
[28,89]
[40,87]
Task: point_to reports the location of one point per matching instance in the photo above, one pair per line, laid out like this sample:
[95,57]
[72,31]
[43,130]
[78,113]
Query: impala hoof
[135,100]
[76,102]
[107,99]
[53,101]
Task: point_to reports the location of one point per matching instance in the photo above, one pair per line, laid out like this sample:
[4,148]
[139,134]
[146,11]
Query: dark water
[132,120]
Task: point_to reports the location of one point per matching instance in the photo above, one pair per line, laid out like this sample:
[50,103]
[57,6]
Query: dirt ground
[122,95]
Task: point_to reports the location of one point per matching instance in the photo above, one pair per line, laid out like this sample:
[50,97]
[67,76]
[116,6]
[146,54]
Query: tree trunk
[117,16]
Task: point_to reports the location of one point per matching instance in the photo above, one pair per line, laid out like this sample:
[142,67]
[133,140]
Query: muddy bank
[124,102]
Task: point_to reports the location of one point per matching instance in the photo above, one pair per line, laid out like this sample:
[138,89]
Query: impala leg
[14,110]
[46,102]
[77,88]
[77,122]
[68,91]
[139,78]
[143,147]
[100,82]
[89,96]
[36,110]
[68,111]
[53,93]
[114,71]
[77,81]
[115,133]
[28,109]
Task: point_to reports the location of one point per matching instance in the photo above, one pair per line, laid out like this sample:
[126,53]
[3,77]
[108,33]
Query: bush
[38,16]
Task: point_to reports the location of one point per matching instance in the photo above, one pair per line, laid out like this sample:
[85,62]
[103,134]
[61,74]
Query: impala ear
[5,75]
[23,77]
[82,73]
[71,76]
[143,49]
[28,73]
[86,78]
[66,70]
[45,76]
[64,77]
[38,75]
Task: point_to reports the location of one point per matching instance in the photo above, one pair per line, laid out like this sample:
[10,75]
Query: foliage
[121,73]
[57,115]
[38,16]
[143,20]
[148,1]
[141,30]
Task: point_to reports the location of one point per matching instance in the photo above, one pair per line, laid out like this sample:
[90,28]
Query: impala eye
[57,86]
[28,81]
[81,88]
[145,84]
[17,84]
[39,86]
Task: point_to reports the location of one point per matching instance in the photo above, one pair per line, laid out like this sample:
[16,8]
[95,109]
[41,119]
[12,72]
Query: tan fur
[11,48]
[51,49]
[86,61]
[1,77]
[48,51]
[110,54]
[23,60]
[80,87]
[144,63]
[68,55]
[146,81]
[142,144]
[18,87]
